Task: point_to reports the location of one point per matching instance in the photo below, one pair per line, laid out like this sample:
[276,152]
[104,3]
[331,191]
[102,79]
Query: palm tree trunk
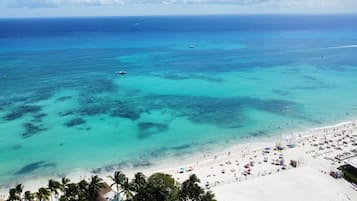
[118,192]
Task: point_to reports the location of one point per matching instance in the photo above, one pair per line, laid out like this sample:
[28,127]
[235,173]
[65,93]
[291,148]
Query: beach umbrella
[182,170]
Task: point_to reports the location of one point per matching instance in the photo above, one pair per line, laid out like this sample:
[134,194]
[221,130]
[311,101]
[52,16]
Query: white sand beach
[260,171]
[298,184]
[316,152]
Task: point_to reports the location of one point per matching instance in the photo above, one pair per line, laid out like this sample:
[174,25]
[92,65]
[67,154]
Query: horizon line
[183,15]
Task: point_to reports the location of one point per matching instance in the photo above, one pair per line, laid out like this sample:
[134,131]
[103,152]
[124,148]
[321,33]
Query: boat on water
[122,72]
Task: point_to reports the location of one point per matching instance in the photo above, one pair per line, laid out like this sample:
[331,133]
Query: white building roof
[352,161]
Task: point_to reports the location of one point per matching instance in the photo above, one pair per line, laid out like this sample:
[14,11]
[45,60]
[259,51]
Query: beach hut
[293,163]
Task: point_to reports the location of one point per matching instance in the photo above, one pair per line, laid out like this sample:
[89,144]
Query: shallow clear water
[192,83]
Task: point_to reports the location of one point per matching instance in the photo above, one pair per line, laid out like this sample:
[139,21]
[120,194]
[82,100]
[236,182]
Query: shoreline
[171,164]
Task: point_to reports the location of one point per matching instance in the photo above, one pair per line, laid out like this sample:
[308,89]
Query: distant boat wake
[343,47]
[318,49]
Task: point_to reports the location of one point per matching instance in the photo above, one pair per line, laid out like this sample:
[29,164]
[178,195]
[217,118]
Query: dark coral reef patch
[33,167]
[32,129]
[75,122]
[20,111]
[147,129]
[63,98]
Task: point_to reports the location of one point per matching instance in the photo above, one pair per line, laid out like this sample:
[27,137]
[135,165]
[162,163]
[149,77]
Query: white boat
[122,72]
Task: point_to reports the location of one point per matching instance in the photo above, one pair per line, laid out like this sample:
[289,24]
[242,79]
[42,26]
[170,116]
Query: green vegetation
[349,173]
[157,187]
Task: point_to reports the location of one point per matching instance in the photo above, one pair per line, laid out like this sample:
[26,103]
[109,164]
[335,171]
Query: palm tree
[71,192]
[64,182]
[12,195]
[126,189]
[19,188]
[15,193]
[28,196]
[43,194]
[161,187]
[139,181]
[94,187]
[118,180]
[190,190]
[54,186]
[208,196]
[82,189]
[157,187]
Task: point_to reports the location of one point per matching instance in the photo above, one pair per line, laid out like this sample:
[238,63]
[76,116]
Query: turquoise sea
[192,83]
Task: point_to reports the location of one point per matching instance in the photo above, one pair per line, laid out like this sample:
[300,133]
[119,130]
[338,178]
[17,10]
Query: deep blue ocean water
[193,83]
